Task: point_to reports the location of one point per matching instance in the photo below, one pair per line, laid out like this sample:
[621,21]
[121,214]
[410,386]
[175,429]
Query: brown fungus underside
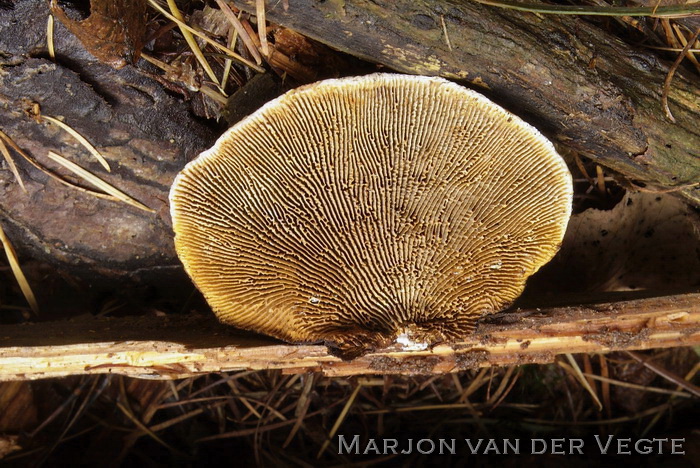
[356,210]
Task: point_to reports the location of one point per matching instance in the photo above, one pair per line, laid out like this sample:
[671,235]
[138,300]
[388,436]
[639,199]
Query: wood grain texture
[180,346]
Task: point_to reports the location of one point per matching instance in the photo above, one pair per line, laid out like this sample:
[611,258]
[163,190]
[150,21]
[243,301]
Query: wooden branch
[581,86]
[180,346]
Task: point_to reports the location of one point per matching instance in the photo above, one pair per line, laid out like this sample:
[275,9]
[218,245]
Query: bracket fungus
[359,211]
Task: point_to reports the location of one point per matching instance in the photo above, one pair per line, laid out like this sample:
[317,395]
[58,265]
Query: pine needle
[262,28]
[97,182]
[192,42]
[17,271]
[81,139]
[339,421]
[665,373]
[643,388]
[211,93]
[49,38]
[6,154]
[32,161]
[132,417]
[576,370]
[302,408]
[444,31]
[474,385]
[240,30]
[204,37]
[228,63]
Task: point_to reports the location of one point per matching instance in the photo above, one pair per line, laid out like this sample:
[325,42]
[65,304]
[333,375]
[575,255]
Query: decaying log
[581,86]
[180,346]
[145,133]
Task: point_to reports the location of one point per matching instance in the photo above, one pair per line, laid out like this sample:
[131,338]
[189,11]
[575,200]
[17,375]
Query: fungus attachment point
[358,210]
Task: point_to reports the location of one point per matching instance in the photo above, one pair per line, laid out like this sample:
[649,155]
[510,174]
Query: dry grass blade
[49,38]
[575,370]
[81,139]
[245,37]
[17,271]
[6,154]
[192,43]
[339,421]
[97,182]
[207,39]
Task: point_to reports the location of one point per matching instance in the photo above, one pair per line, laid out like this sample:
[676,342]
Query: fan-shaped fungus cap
[354,210]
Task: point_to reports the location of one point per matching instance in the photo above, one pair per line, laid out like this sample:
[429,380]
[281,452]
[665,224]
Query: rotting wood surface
[180,346]
[581,86]
[146,134]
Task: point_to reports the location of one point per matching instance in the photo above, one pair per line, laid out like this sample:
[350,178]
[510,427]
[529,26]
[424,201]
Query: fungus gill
[355,210]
